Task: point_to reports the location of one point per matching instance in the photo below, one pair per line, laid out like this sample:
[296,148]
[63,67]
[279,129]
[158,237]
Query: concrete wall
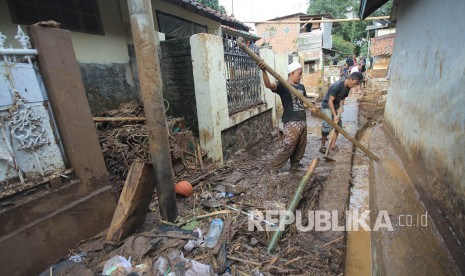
[425,104]
[211,94]
[381,62]
[381,32]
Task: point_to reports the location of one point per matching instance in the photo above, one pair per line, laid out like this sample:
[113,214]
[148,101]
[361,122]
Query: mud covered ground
[243,251]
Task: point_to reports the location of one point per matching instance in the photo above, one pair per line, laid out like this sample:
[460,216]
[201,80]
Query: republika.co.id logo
[322,220]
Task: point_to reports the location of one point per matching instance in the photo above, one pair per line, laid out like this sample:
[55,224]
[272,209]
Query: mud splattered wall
[246,134]
[108,85]
[178,80]
[426,99]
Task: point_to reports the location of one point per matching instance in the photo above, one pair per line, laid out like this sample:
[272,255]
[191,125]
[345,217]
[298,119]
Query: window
[309,67]
[175,27]
[74,15]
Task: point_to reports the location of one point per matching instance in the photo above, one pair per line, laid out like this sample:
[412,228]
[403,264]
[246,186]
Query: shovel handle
[332,133]
[240,42]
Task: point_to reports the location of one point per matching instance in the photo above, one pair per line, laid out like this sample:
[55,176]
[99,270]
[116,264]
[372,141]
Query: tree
[353,32]
[213,4]
[343,46]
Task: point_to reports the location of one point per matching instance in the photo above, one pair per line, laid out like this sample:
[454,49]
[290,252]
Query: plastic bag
[115,263]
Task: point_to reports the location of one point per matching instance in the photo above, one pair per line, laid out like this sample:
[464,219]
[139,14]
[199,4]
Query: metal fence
[29,148]
[242,77]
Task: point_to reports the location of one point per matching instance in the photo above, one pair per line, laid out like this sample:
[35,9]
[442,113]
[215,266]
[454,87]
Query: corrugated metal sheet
[327,38]
[310,41]
[367,7]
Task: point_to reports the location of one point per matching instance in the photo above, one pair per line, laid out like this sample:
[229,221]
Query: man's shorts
[325,127]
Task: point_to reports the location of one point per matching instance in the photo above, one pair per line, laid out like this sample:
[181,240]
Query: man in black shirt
[333,100]
[294,118]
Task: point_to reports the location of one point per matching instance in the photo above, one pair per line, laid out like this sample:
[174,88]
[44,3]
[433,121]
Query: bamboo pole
[118,119]
[240,42]
[295,201]
[318,21]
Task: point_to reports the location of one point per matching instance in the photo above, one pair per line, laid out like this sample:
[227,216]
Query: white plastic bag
[115,263]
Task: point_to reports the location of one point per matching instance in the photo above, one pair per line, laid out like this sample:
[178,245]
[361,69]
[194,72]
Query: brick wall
[284,41]
[178,80]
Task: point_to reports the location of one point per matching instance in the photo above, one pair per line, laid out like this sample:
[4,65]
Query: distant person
[358,69]
[363,70]
[294,119]
[343,71]
[346,70]
[350,62]
[355,60]
[333,100]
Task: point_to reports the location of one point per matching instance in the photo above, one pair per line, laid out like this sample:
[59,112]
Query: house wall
[214,121]
[285,39]
[89,48]
[425,103]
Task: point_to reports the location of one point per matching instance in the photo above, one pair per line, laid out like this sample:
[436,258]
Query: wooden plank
[133,202]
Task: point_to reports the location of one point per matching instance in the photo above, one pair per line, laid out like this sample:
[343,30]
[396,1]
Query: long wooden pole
[240,42]
[148,65]
[318,21]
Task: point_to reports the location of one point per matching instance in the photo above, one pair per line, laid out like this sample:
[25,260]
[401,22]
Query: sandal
[323,149]
[334,148]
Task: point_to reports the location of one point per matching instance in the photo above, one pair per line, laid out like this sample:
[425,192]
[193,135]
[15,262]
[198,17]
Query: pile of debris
[123,138]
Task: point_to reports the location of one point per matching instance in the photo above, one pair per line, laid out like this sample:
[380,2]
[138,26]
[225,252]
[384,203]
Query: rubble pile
[123,141]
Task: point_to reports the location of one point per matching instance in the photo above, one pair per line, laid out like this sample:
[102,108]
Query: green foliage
[352,32]
[213,4]
[343,46]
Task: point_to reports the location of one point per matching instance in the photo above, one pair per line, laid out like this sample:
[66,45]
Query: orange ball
[184,188]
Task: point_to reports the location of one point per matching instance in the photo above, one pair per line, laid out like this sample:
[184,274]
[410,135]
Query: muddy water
[395,170]
[358,250]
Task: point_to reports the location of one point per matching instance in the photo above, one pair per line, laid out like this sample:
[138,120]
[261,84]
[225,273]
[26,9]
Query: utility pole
[232,8]
[148,65]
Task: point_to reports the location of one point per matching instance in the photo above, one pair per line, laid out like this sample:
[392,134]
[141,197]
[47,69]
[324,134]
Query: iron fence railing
[242,77]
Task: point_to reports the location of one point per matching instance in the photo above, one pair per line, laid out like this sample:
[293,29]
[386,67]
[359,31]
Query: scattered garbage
[77,258]
[194,243]
[164,266]
[117,264]
[214,234]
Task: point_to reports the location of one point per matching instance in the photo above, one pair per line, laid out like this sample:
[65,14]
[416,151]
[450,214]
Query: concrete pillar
[210,92]
[270,97]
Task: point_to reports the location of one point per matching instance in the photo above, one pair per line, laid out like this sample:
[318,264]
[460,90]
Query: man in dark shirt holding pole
[294,118]
[333,100]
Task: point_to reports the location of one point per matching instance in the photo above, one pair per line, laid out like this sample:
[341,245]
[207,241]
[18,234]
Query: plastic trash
[117,263]
[223,195]
[195,243]
[161,266]
[214,234]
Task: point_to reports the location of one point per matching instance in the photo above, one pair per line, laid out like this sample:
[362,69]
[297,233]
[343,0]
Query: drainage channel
[358,241]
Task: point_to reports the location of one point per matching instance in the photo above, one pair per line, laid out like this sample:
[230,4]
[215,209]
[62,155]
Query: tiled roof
[201,9]
[240,32]
[382,45]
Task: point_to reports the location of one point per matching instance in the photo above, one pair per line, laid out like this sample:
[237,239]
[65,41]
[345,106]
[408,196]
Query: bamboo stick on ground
[118,119]
[240,42]
[293,205]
